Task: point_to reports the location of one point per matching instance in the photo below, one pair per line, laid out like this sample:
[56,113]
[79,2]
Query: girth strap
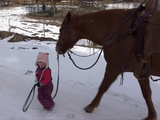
[141,31]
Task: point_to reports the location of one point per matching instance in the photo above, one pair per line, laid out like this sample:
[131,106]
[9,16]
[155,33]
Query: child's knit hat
[43,57]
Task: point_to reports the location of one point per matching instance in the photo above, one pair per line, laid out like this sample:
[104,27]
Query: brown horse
[97,27]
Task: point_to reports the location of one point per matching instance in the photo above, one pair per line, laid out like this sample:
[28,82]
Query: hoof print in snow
[34,48]
[12,47]
[28,72]
[3,66]
[126,99]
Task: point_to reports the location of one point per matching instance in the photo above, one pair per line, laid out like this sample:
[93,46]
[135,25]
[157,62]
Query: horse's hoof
[150,118]
[88,109]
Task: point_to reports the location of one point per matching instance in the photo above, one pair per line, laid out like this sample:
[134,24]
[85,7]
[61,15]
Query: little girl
[44,78]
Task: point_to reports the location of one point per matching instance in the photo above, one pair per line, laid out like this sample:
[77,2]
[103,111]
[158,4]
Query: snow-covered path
[76,90]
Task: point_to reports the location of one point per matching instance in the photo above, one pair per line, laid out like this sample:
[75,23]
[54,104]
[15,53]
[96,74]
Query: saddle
[151,25]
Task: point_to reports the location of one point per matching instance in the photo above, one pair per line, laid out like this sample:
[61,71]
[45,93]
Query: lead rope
[57,78]
[26,105]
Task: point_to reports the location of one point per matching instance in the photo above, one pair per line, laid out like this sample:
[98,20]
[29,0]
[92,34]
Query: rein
[154,80]
[109,42]
[26,104]
[83,55]
[87,67]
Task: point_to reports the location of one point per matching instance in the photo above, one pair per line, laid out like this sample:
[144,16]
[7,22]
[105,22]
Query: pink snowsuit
[44,77]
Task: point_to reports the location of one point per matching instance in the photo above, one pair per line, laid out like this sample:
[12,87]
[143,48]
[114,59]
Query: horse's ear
[67,18]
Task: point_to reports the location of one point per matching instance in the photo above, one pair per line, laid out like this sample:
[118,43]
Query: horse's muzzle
[58,50]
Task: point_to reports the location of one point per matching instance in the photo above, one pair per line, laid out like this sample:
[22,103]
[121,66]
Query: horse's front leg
[110,76]
[146,91]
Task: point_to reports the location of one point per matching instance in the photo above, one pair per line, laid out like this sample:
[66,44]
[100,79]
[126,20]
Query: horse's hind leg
[110,76]
[146,91]
[142,70]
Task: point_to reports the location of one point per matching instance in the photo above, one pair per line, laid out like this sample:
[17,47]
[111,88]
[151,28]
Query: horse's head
[68,37]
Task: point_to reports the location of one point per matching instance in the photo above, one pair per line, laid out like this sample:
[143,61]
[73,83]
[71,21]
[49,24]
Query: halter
[67,33]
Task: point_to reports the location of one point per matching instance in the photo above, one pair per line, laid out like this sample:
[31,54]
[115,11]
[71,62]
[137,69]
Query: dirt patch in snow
[4,34]
[18,37]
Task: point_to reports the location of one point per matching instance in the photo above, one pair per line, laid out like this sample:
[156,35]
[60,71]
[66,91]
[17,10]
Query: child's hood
[44,58]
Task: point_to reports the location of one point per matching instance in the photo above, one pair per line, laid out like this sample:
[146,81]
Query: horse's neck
[98,26]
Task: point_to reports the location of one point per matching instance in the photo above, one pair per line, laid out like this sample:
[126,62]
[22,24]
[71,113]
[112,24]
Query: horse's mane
[102,12]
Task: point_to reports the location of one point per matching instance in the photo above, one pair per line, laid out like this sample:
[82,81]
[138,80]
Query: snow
[77,88]
[15,17]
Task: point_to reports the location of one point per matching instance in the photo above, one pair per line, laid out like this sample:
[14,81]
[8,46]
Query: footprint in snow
[28,72]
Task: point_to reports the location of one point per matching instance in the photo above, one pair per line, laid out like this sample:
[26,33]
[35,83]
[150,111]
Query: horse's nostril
[58,50]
